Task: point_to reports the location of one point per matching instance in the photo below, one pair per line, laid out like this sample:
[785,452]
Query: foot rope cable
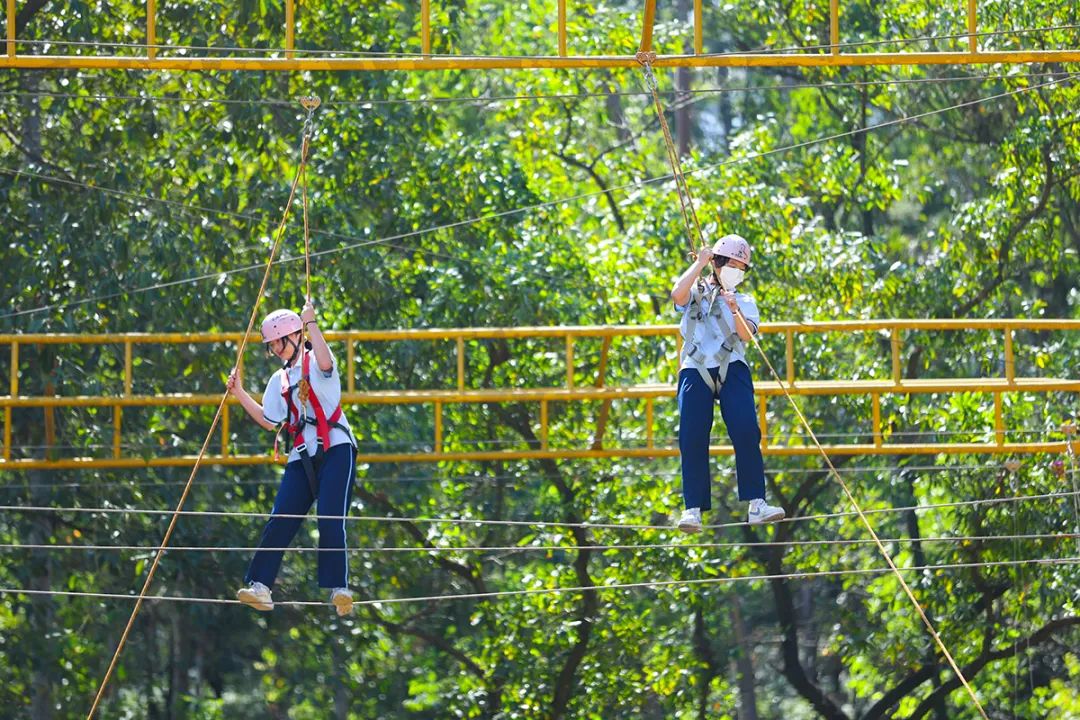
[491,595]
[646,59]
[242,346]
[480,522]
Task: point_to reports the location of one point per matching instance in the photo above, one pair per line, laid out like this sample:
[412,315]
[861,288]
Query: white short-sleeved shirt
[705,334]
[325,385]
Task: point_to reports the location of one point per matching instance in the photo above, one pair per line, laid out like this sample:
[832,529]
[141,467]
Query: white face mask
[731,276]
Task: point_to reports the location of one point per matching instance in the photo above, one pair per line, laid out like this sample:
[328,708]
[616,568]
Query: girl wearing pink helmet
[717,323]
[322,463]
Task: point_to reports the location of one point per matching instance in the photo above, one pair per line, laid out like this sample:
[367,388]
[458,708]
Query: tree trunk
[30,105]
[41,611]
[911,519]
[616,115]
[744,666]
[703,649]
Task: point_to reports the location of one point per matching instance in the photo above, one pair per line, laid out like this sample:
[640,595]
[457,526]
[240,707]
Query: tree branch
[36,157]
[601,183]
[1007,244]
[433,640]
[467,572]
[26,13]
[564,684]
[792,668]
[973,668]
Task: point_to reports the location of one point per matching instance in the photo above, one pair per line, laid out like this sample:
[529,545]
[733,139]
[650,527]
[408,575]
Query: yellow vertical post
[647,26]
[973,39]
[1010,361]
[425,27]
[895,342]
[14,380]
[225,430]
[118,419]
[350,365]
[127,369]
[290,28]
[118,410]
[569,361]
[875,405]
[562,28]
[10,30]
[789,355]
[834,26]
[762,425]
[649,423]
[13,390]
[151,29]
[999,421]
[438,428]
[699,41]
[543,424]
[50,421]
[460,364]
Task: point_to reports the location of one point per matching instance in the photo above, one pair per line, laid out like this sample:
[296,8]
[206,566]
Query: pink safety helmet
[279,324]
[733,246]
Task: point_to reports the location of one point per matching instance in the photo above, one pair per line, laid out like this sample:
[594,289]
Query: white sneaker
[257,596]
[341,599]
[690,522]
[763,512]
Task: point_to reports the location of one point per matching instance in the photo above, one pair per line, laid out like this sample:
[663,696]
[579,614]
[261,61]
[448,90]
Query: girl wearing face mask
[716,327]
[304,395]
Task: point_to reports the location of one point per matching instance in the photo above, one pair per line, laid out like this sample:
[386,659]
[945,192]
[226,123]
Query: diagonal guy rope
[645,60]
[210,433]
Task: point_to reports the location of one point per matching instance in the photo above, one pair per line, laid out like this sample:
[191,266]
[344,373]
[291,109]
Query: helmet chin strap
[295,352]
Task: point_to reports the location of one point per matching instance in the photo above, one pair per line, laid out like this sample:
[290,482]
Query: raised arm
[318,342]
[680,294]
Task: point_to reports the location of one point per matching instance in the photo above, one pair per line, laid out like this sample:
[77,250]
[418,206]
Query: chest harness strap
[297,419]
[715,324]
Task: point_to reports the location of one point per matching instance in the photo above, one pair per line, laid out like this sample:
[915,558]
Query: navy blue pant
[336,474]
[696,405]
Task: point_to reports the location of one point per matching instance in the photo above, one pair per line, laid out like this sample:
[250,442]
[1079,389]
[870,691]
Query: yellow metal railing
[153,59]
[570,392]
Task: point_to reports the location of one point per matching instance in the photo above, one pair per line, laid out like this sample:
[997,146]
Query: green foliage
[534,211]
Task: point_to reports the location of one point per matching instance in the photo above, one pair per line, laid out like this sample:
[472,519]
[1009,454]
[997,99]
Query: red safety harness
[297,420]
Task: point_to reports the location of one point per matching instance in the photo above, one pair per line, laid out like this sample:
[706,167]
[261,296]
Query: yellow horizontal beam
[442,63]
[553,453]
[547,331]
[578,394]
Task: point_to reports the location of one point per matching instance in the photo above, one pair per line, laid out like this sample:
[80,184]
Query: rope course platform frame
[576,390]
[289,58]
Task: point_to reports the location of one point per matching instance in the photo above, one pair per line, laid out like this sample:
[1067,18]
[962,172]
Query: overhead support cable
[389,240]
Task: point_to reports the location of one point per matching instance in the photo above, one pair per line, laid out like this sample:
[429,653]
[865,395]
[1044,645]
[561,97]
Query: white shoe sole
[252,600]
[343,604]
[775,517]
[689,528]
